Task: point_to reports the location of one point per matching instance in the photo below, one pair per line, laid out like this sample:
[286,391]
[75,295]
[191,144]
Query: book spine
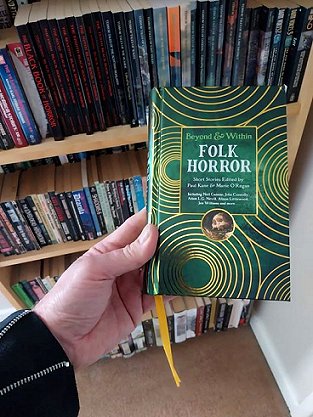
[206,318]
[33,209]
[253,46]
[212,43]
[301,56]
[230,34]
[99,70]
[112,203]
[171,328]
[115,66]
[84,213]
[10,119]
[117,202]
[23,296]
[43,215]
[149,332]
[13,237]
[174,48]
[267,22]
[90,72]
[12,7]
[220,41]
[121,36]
[203,7]
[27,229]
[191,318]
[60,214]
[185,41]
[152,57]
[133,194]
[274,54]
[70,221]
[98,210]
[243,49]
[75,215]
[92,210]
[43,288]
[220,313]
[29,291]
[123,199]
[141,37]
[5,16]
[239,47]
[139,192]
[180,326]
[32,221]
[42,88]
[134,63]
[161,46]
[65,78]
[6,243]
[52,217]
[290,27]
[228,310]
[105,206]
[128,195]
[5,137]
[199,321]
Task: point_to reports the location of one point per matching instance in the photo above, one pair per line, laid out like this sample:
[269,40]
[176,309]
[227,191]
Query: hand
[98,300]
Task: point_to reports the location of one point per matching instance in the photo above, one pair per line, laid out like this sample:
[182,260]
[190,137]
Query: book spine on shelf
[128,195]
[134,63]
[29,291]
[6,244]
[5,137]
[12,235]
[23,296]
[70,221]
[180,326]
[228,310]
[51,217]
[32,207]
[27,229]
[149,332]
[253,46]
[116,202]
[84,213]
[161,46]
[276,46]
[174,47]
[59,211]
[220,314]
[206,318]
[239,45]
[139,192]
[123,199]
[152,57]
[199,320]
[105,206]
[220,41]
[93,213]
[212,43]
[229,41]
[239,78]
[42,213]
[42,88]
[5,16]
[202,11]
[32,221]
[75,215]
[112,203]
[98,210]
[10,119]
[12,7]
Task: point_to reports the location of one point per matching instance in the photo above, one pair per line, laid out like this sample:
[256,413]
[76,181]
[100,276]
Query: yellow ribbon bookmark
[159,304]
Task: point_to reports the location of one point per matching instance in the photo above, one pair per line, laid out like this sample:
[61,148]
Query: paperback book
[218,192]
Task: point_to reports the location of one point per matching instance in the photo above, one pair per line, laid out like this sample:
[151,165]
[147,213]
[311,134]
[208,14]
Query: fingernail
[144,236]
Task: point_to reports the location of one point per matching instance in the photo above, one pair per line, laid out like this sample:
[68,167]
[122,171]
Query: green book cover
[218,192]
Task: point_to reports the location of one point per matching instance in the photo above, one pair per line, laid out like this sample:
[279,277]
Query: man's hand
[98,300]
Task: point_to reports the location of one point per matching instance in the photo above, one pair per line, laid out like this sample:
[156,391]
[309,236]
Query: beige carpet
[223,375]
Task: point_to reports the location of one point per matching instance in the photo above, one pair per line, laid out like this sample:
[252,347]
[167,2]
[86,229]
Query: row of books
[84,200]
[94,62]
[8,10]
[187,317]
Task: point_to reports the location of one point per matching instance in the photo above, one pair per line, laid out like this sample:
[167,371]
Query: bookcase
[117,136]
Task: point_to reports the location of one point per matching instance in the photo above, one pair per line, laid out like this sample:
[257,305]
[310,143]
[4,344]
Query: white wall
[285,330]
[5,307]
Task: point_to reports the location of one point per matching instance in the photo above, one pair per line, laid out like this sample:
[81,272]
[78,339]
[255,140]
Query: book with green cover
[218,192]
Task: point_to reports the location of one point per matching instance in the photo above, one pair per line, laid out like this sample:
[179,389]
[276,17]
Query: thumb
[131,257]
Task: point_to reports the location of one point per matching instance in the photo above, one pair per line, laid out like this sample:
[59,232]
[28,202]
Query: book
[152,54]
[188,14]
[206,314]
[148,329]
[212,40]
[191,316]
[220,314]
[253,43]
[200,315]
[229,40]
[202,40]
[6,141]
[138,337]
[156,327]
[240,45]
[180,319]
[170,321]
[224,227]
[5,16]
[174,47]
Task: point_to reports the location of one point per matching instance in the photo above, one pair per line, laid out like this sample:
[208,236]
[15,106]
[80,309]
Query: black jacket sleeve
[36,377]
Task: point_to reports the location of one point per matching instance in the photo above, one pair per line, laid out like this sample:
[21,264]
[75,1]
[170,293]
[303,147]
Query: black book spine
[206,318]
[129,198]
[75,215]
[98,209]
[115,65]
[135,67]
[243,49]
[149,26]
[71,224]
[228,310]
[300,51]
[123,199]
[83,73]
[90,71]
[32,222]
[202,10]
[17,243]
[65,76]
[239,47]
[149,333]
[212,43]
[230,35]
[117,201]
[220,314]
[120,30]
[100,74]
[7,246]
[105,65]
[5,137]
[42,87]
[73,69]
[277,40]
[45,64]
[29,291]
[57,206]
[288,31]
[253,47]
[33,209]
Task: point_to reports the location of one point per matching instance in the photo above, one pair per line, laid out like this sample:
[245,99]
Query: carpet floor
[223,375]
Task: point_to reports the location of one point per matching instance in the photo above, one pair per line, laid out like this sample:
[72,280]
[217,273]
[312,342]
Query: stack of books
[50,204]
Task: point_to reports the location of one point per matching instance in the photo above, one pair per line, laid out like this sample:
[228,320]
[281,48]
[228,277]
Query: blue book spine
[84,213]
[93,211]
[161,45]
[18,99]
[139,192]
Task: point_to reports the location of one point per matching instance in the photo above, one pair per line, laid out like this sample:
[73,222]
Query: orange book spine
[173,27]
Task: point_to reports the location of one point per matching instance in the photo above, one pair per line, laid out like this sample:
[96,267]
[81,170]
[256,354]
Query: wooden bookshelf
[114,136]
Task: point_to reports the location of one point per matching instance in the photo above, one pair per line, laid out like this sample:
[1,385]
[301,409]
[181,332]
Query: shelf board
[114,136]
[49,252]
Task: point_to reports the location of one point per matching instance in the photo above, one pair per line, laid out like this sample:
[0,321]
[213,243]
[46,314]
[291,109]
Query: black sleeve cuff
[36,377]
